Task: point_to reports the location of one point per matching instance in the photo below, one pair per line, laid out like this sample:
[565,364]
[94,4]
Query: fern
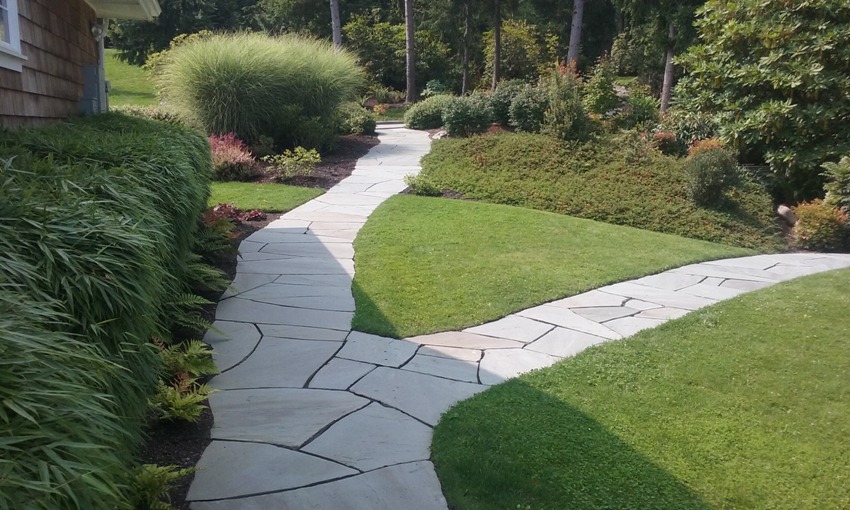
[184,400]
[151,484]
[192,357]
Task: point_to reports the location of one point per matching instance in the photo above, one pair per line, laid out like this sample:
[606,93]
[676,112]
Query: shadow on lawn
[499,450]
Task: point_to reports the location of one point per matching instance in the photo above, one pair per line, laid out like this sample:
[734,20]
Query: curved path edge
[312,415]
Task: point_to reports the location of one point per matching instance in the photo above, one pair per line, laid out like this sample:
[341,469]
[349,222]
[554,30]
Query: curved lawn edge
[425,265]
[735,405]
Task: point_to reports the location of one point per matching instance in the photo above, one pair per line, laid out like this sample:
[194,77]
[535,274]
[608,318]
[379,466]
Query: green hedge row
[97,222]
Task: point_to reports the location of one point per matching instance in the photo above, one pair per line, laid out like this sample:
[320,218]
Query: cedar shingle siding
[57,41]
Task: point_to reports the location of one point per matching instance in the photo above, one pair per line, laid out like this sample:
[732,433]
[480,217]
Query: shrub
[97,224]
[353,119]
[709,173]
[528,109]
[299,162]
[152,484]
[641,110]
[383,94]
[503,97]
[708,144]
[468,115]
[771,72]
[232,161]
[565,117]
[523,54]
[668,143]
[422,185]
[427,114]
[286,87]
[820,226]
[599,94]
[689,126]
[626,55]
[436,88]
[838,182]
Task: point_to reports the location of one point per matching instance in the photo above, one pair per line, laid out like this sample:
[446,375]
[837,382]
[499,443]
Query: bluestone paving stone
[513,327]
[297,266]
[664,313]
[238,309]
[422,396]
[712,291]
[377,350]
[232,343]
[243,282]
[451,352]
[503,364]
[455,369]
[670,281]
[563,342]
[628,326]
[287,417]
[745,285]
[567,319]
[739,273]
[339,374]
[660,296]
[302,333]
[589,299]
[465,340]
[372,438]
[604,313]
[278,363]
[333,250]
[257,468]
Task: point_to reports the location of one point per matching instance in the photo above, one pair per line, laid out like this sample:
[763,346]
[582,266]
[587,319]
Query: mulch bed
[181,444]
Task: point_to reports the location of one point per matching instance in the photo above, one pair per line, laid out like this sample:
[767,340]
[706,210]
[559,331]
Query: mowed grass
[432,264]
[266,197]
[740,405]
[612,179]
[130,85]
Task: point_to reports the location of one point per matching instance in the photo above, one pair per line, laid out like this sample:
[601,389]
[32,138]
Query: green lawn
[267,197]
[741,405]
[613,179]
[432,264]
[130,85]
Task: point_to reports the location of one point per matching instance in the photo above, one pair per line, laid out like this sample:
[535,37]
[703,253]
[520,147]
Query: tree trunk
[336,25]
[467,31]
[575,32]
[667,87]
[411,53]
[497,43]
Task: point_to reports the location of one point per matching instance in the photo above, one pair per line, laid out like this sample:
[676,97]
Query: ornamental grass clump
[254,84]
[97,226]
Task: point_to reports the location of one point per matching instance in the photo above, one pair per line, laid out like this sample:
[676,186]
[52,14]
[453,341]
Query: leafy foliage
[528,109]
[421,185]
[599,94]
[182,400]
[838,182]
[150,112]
[298,162]
[468,115]
[353,119]
[775,74]
[640,110]
[821,226]
[152,483]
[524,52]
[286,87]
[427,114]
[232,160]
[502,98]
[97,226]
[565,117]
[709,173]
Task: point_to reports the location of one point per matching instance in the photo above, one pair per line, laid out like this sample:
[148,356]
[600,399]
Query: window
[10,38]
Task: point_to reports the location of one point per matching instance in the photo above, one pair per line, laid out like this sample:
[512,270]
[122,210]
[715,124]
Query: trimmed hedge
[97,223]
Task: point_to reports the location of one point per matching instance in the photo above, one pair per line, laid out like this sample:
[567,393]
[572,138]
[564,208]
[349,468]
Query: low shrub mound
[821,226]
[607,180]
[468,115]
[427,114]
[285,87]
[97,226]
[709,174]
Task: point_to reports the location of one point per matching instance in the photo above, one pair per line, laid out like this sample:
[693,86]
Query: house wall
[57,41]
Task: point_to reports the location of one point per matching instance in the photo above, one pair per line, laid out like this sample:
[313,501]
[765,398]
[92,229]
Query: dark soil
[181,444]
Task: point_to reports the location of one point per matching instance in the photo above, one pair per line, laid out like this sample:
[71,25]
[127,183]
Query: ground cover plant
[739,405]
[615,179]
[98,225]
[265,197]
[129,85]
[285,87]
[431,264]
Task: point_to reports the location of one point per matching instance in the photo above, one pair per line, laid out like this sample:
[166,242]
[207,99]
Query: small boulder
[439,134]
[787,214]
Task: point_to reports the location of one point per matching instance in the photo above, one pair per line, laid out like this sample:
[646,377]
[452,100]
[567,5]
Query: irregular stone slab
[339,374]
[711,280]
[348,199]
[323,280]
[281,236]
[297,266]
[301,296]
[670,281]
[503,364]
[568,319]
[337,225]
[302,333]
[317,250]
[659,296]
[289,224]
[457,370]
[249,257]
[377,349]
[411,486]
[361,212]
[513,327]
[407,392]
[278,363]
[714,270]
[451,352]
[604,313]
[347,234]
[665,313]
[229,469]
[628,326]
[787,272]
[712,291]
[250,246]
[589,299]
[637,304]
[287,417]
[745,285]
[760,262]
[238,309]
[245,282]
[233,343]
[372,438]
[464,340]
[327,217]
[563,342]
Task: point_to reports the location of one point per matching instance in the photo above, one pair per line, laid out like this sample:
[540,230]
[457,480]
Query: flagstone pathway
[311,415]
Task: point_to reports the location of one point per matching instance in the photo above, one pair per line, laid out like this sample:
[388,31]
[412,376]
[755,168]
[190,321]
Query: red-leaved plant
[232,160]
